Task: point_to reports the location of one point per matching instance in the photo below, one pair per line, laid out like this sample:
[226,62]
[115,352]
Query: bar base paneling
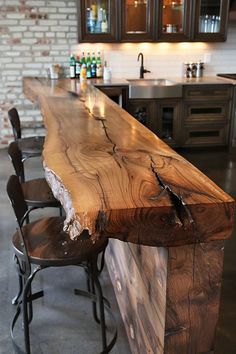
[168,297]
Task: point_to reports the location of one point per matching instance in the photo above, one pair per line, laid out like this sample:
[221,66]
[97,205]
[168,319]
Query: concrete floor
[63,322]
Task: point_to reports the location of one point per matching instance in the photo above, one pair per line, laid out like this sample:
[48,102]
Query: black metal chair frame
[26,273]
[34,140]
[15,156]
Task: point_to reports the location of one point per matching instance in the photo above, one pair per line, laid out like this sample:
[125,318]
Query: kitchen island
[166,221]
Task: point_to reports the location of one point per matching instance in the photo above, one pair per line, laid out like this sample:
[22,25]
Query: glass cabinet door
[137,19]
[168,116]
[174,19]
[97,20]
[210,19]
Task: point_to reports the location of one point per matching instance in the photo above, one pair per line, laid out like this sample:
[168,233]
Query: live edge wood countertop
[116,179]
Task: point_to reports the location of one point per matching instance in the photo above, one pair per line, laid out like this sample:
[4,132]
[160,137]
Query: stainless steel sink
[154,88]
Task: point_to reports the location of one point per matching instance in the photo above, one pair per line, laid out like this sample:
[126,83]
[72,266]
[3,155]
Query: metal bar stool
[29,146]
[42,244]
[36,192]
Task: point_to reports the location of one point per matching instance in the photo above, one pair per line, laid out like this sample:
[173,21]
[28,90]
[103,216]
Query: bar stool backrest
[15,122]
[16,197]
[16,159]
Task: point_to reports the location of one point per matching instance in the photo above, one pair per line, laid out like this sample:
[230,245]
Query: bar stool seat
[48,245]
[29,146]
[37,192]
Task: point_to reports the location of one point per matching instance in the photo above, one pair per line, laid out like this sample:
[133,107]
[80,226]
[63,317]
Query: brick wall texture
[33,34]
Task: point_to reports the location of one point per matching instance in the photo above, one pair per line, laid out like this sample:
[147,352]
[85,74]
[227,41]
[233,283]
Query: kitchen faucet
[142,70]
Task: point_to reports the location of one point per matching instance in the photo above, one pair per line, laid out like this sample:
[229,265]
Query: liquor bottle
[88,64]
[94,11]
[93,66]
[72,66]
[83,60]
[83,72]
[77,67]
[99,70]
[104,24]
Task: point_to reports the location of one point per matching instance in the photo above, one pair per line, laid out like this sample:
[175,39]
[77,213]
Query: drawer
[206,135]
[206,92]
[206,111]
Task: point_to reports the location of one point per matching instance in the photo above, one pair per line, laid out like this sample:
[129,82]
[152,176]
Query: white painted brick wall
[33,34]
[36,33]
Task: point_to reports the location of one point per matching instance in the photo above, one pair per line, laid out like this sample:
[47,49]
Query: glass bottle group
[96,17]
[86,67]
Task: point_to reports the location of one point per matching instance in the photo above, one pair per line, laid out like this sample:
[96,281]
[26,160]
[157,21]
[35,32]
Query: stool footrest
[35,296]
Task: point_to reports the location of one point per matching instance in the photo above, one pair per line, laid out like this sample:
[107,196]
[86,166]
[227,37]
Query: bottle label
[72,72]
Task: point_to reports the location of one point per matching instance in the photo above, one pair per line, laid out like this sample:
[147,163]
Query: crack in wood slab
[174,331]
[183,215]
[105,128]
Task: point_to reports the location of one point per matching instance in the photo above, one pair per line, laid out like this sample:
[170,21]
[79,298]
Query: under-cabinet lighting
[196,45]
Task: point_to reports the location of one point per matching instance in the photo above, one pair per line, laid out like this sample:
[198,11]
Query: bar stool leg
[26,291]
[94,274]
[20,280]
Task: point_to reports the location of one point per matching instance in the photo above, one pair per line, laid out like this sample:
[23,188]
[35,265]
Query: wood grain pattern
[140,291]
[193,297]
[168,298]
[118,179]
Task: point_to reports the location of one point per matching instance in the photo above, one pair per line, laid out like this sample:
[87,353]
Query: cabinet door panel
[174,20]
[211,17]
[144,111]
[168,117]
[97,20]
[137,20]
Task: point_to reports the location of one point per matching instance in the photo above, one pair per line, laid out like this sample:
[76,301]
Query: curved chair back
[16,159]
[15,122]
[16,197]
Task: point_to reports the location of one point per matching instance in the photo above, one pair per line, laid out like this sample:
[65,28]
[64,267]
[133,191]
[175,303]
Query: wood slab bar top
[116,179]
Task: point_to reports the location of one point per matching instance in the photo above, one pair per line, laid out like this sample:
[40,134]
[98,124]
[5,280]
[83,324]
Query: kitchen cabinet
[144,111]
[152,20]
[174,19]
[137,20]
[97,20]
[200,20]
[210,20]
[200,118]
[118,94]
[206,115]
[161,116]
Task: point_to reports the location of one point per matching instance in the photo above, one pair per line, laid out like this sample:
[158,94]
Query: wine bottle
[88,64]
[99,69]
[77,67]
[72,66]
[93,66]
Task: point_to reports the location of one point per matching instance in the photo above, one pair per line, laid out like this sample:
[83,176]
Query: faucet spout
[141,55]
[142,70]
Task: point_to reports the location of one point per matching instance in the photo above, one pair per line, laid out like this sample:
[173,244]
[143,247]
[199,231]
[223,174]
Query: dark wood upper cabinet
[152,20]
[137,20]
[174,18]
[210,20]
[98,20]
